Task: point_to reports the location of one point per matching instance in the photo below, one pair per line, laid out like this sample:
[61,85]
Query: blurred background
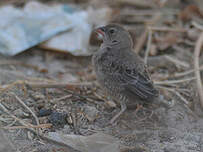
[48,87]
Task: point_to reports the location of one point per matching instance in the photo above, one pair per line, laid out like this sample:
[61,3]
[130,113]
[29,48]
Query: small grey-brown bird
[120,71]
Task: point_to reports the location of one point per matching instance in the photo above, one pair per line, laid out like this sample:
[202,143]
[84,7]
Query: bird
[120,72]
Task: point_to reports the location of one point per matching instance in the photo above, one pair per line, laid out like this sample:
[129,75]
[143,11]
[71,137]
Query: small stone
[30,135]
[153,50]
[111,104]
[44,112]
[20,113]
[38,96]
[193,34]
[5,144]
[133,149]
[70,120]
[91,113]
[58,119]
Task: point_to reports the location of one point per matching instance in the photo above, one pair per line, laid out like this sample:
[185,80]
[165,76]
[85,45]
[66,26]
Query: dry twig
[163,29]
[186,103]
[181,74]
[30,128]
[181,97]
[178,74]
[63,98]
[173,81]
[141,41]
[28,125]
[197,25]
[48,84]
[177,61]
[149,41]
[7,87]
[14,62]
[57,85]
[198,47]
[26,107]
[24,127]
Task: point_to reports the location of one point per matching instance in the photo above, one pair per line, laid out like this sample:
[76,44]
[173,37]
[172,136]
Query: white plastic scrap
[21,29]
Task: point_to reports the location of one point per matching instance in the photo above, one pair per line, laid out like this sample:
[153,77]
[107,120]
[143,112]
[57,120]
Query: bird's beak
[100,31]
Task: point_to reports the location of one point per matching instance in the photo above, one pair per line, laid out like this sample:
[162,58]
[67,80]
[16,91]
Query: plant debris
[48,97]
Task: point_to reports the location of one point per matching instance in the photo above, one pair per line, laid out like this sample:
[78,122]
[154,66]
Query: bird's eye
[112,31]
[114,41]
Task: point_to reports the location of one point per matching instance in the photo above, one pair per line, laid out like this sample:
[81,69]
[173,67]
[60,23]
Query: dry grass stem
[173,81]
[63,98]
[164,29]
[11,85]
[178,74]
[181,74]
[30,128]
[198,47]
[24,127]
[177,61]
[181,97]
[13,62]
[46,84]
[141,41]
[197,25]
[28,125]
[186,103]
[149,41]
[26,107]
[57,85]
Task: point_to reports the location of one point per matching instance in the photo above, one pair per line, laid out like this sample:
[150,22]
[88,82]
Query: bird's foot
[123,108]
[115,118]
[138,108]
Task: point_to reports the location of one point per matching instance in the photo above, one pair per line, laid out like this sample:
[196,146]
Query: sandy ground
[86,110]
[151,129]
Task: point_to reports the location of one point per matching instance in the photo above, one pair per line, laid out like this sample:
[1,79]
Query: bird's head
[115,35]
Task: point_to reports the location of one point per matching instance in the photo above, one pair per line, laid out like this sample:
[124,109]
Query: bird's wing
[136,83]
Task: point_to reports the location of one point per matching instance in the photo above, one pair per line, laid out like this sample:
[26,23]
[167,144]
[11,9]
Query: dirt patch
[85,110]
[152,128]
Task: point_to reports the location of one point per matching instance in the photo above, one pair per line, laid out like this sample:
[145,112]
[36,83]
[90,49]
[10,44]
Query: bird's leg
[123,108]
[138,108]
